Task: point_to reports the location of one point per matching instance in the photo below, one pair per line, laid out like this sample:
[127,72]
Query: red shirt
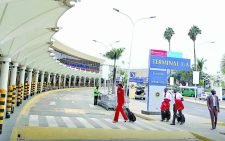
[120,95]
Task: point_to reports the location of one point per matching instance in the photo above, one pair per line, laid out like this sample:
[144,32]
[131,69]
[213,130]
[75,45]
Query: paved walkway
[71,115]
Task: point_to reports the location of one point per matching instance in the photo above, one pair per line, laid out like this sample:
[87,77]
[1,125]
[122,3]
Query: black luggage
[166,114]
[180,118]
[130,115]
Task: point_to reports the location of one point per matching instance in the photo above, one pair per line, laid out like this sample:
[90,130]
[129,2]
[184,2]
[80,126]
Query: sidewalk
[198,126]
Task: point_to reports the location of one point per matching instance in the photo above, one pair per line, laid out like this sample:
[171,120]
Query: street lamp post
[131,41]
[196,67]
[106,46]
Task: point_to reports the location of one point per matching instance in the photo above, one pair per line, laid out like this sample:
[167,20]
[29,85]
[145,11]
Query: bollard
[9,102]
[13,98]
[2,107]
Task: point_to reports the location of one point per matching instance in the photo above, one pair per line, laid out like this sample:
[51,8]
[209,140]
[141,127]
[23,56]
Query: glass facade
[76,62]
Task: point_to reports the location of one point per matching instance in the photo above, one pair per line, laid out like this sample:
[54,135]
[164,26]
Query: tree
[193,32]
[223,64]
[114,54]
[168,34]
[200,65]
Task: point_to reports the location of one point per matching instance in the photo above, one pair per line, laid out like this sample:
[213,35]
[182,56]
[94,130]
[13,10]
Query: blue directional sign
[157,78]
[170,63]
[132,74]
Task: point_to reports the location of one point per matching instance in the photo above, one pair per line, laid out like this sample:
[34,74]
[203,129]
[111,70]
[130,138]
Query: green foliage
[114,53]
[223,64]
[168,34]
[193,32]
[201,82]
[200,64]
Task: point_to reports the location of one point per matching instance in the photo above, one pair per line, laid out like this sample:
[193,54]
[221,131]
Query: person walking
[120,102]
[165,106]
[96,94]
[213,106]
[177,106]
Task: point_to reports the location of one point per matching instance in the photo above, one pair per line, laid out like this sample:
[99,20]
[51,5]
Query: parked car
[203,95]
[188,92]
[223,97]
[140,92]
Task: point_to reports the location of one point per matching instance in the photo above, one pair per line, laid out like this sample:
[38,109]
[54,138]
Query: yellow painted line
[46,133]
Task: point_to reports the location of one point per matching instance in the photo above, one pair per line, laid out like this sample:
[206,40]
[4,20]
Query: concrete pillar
[59,86]
[48,80]
[30,71]
[94,82]
[13,83]
[89,82]
[42,80]
[69,81]
[84,81]
[36,80]
[79,81]
[54,80]
[74,81]
[13,73]
[22,77]
[4,61]
[64,81]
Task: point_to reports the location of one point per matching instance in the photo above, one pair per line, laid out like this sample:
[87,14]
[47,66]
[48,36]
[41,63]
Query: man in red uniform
[120,102]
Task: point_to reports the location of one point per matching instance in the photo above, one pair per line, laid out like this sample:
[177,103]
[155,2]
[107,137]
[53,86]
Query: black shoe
[172,124]
[162,120]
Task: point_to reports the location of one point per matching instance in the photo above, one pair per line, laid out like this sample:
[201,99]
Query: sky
[92,20]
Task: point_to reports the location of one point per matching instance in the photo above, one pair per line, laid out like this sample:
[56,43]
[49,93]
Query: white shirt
[214,100]
[168,96]
[178,97]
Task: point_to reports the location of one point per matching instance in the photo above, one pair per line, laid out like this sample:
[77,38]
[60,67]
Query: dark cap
[120,85]
[213,91]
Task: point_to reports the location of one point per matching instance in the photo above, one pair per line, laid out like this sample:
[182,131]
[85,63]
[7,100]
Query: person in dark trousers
[120,102]
[165,107]
[177,106]
[96,94]
[213,106]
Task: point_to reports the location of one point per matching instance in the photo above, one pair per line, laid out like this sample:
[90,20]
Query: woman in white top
[177,106]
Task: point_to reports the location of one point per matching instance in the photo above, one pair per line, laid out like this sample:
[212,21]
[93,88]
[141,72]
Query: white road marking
[52,103]
[100,123]
[33,120]
[68,122]
[51,121]
[116,124]
[85,122]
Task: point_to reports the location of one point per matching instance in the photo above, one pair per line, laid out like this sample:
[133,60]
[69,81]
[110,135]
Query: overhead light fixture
[55,29]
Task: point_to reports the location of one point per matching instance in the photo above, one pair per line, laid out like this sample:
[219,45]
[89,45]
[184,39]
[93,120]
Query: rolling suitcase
[180,118]
[130,115]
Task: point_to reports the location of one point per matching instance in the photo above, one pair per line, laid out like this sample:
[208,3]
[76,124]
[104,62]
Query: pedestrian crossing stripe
[105,123]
